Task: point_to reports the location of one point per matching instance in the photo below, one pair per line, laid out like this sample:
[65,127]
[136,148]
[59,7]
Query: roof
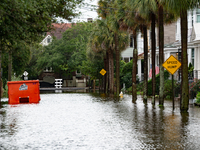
[58,29]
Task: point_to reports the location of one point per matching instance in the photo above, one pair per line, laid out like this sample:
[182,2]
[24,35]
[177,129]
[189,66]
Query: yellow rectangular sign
[171,64]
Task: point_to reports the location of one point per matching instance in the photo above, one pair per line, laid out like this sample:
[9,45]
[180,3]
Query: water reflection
[97,121]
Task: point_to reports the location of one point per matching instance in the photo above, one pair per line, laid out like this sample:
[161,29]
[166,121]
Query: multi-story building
[172,45]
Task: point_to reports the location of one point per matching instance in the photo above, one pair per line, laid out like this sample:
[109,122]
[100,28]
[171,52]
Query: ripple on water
[87,121]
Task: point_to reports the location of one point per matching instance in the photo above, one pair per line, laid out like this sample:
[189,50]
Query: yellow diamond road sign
[102,72]
[172,64]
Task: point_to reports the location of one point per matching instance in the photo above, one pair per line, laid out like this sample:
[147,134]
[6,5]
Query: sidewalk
[63,88]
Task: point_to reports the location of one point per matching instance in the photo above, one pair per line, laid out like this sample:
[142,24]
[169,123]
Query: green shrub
[198,98]
[5,91]
[194,87]
[166,76]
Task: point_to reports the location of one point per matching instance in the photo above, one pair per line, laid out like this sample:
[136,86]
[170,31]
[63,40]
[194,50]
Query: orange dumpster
[27,91]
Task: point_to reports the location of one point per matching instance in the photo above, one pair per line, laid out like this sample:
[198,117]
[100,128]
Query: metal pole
[173,91]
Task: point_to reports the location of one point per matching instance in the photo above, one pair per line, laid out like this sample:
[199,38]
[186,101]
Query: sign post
[172,65]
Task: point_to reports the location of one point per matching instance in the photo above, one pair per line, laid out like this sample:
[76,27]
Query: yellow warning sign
[103,72]
[171,64]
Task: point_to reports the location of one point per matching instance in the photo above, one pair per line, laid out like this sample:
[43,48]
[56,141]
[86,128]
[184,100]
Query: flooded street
[85,121]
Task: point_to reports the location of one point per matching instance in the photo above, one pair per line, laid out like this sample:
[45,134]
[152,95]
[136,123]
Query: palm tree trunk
[184,67]
[145,64]
[134,69]
[107,74]
[94,85]
[161,55]
[9,65]
[1,87]
[117,64]
[111,71]
[153,53]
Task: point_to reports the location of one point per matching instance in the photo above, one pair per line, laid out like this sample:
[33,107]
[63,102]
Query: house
[172,42]
[47,78]
[57,30]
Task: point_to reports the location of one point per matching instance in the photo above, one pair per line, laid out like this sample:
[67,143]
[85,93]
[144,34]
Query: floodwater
[85,121]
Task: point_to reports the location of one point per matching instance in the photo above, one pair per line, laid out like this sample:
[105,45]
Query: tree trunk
[184,67]
[1,88]
[107,74]
[94,86]
[153,53]
[145,64]
[111,71]
[117,64]
[9,65]
[161,55]
[134,69]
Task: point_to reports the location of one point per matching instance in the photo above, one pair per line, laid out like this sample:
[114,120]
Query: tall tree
[126,16]
[161,53]
[145,63]
[134,68]
[180,7]
[101,40]
[153,53]
[113,24]
[28,20]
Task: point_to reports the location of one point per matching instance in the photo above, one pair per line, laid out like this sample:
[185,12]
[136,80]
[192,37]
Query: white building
[172,41]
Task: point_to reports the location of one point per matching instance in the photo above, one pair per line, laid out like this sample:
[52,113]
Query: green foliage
[23,23]
[5,86]
[190,68]
[68,53]
[166,76]
[28,20]
[194,88]
[126,74]
[167,85]
[36,52]
[92,66]
[198,98]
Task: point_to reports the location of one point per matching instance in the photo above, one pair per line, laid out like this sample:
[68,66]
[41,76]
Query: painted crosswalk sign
[171,64]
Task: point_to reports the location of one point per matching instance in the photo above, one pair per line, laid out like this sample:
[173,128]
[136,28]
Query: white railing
[58,83]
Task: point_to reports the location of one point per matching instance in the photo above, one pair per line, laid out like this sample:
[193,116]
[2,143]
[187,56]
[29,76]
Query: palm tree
[142,17]
[101,40]
[148,10]
[113,23]
[126,14]
[180,7]
[161,53]
[153,53]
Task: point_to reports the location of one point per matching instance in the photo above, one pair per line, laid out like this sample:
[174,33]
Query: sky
[87,11]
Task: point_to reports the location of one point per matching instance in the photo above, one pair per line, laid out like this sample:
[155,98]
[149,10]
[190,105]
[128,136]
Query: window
[192,56]
[48,40]
[142,65]
[192,18]
[198,15]
[126,59]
